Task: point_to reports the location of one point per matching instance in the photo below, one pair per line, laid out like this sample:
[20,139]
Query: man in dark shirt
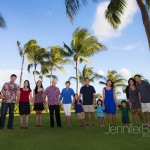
[87,92]
[143,88]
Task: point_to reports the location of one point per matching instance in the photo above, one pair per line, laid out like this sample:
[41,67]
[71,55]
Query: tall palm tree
[23,51]
[86,72]
[2,22]
[56,60]
[117,79]
[83,45]
[113,12]
[36,55]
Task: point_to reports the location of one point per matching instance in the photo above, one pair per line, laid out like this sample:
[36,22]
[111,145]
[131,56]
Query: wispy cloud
[131,47]
[102,28]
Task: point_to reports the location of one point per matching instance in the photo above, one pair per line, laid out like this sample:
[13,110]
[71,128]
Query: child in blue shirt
[79,110]
[100,113]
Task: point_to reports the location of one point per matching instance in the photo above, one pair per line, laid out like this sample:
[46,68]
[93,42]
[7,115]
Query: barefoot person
[87,92]
[10,91]
[52,92]
[143,88]
[109,99]
[39,100]
[24,99]
[66,98]
[134,101]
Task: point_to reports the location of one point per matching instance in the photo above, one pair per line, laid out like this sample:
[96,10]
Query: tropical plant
[56,60]
[23,53]
[117,79]
[83,45]
[2,22]
[113,12]
[44,72]
[86,72]
[36,56]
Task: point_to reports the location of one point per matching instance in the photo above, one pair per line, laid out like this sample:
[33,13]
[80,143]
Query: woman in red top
[24,99]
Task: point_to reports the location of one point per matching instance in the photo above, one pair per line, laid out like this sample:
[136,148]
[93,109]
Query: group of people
[138,95]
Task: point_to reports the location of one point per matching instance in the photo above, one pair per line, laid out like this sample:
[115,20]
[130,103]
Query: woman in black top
[134,101]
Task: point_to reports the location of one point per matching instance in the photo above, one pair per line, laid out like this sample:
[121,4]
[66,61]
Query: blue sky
[46,22]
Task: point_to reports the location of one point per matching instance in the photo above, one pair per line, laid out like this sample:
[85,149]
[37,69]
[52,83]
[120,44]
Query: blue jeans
[4,110]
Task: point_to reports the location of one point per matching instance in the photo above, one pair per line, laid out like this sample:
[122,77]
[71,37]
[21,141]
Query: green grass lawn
[75,138]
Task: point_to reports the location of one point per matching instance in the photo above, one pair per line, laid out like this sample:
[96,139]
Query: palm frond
[68,49]
[20,49]
[148,4]
[73,6]
[2,22]
[29,67]
[72,78]
[36,72]
[81,59]
[53,76]
[114,12]
[101,82]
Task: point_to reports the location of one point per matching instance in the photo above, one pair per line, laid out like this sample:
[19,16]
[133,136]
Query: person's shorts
[145,107]
[67,109]
[81,115]
[100,117]
[88,108]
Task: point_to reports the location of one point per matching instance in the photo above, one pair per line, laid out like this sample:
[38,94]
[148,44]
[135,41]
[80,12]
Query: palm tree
[22,52]
[56,60]
[117,79]
[86,72]
[113,12]
[83,45]
[36,55]
[44,72]
[2,22]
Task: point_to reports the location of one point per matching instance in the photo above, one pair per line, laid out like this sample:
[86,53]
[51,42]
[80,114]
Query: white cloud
[101,73]
[125,73]
[102,28]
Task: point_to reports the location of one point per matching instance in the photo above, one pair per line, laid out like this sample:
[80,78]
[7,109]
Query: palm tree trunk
[51,73]
[34,73]
[145,18]
[77,76]
[22,66]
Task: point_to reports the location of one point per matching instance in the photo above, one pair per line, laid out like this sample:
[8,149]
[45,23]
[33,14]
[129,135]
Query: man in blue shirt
[66,98]
[87,92]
